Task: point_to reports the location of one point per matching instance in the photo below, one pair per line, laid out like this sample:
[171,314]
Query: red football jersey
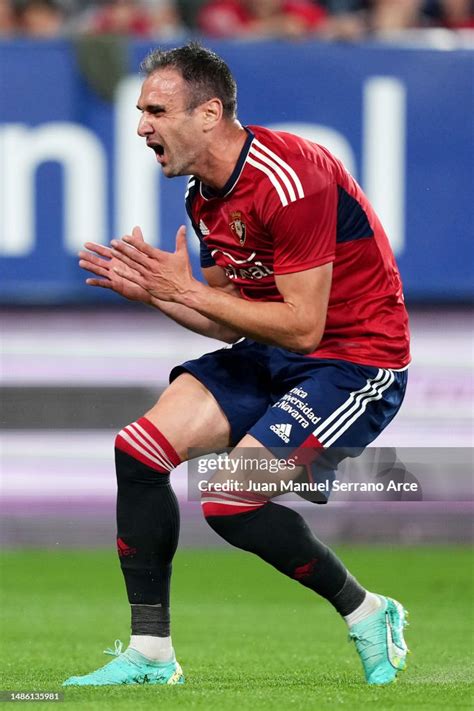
[289,206]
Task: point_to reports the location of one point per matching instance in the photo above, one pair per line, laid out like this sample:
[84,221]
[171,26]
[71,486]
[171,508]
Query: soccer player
[301,279]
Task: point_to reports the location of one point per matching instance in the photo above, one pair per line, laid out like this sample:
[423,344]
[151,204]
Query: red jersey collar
[208,193]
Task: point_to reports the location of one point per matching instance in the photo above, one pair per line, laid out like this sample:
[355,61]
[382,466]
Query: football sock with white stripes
[147,530]
[281,537]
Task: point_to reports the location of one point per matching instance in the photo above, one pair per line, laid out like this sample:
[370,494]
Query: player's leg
[211,400]
[248,519]
[281,537]
[187,415]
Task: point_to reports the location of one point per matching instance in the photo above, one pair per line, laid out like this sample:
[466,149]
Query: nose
[144,126]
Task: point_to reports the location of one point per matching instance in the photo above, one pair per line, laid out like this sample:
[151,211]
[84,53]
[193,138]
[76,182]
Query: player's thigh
[189,416]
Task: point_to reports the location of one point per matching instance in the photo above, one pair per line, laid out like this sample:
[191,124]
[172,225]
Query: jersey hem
[397,367]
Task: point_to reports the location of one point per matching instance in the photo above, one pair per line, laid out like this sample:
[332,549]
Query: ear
[212,113]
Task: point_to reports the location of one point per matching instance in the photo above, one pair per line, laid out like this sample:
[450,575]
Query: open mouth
[158,148]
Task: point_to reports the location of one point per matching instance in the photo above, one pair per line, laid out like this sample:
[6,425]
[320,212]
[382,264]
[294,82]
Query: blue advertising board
[73,169]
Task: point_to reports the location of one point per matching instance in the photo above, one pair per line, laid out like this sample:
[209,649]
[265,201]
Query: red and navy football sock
[147,523]
[281,537]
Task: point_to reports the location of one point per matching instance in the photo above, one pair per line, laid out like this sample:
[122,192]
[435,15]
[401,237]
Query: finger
[138,234]
[94,268]
[181,242]
[104,283]
[129,274]
[135,266]
[130,257]
[140,246]
[100,249]
[94,259]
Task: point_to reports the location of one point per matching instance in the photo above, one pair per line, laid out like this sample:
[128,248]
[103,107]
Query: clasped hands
[138,271]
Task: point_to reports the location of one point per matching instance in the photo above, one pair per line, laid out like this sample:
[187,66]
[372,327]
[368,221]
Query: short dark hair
[206,73]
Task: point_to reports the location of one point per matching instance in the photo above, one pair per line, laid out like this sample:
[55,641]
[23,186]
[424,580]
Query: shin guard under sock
[147,519]
[281,537]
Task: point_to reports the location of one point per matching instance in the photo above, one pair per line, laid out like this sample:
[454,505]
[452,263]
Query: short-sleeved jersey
[289,206]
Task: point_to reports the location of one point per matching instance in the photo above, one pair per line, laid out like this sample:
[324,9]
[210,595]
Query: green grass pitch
[247,637]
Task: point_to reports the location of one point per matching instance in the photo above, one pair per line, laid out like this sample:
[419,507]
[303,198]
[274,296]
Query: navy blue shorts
[286,399]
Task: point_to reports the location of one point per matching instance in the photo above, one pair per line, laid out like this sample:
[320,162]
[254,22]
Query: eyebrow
[152,108]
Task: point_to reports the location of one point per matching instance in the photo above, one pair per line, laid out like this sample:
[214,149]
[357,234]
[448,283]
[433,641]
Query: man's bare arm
[297,323]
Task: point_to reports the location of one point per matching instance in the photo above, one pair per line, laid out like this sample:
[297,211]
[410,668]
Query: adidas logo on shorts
[283,431]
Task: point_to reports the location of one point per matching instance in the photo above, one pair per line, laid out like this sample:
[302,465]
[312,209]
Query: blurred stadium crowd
[327,19]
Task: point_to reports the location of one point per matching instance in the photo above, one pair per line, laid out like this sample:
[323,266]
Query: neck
[222,156]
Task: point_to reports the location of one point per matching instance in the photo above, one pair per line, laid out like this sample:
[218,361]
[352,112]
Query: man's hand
[166,276]
[100,261]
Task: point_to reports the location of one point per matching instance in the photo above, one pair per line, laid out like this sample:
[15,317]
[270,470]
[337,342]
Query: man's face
[170,129]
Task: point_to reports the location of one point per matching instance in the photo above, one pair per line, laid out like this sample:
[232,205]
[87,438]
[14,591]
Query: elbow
[231,338]
[227,335]
[307,342]
[307,347]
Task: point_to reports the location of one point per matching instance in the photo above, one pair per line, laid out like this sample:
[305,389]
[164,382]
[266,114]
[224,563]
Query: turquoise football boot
[379,641]
[130,667]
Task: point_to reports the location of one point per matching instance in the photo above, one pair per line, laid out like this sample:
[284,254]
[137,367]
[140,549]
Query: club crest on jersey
[237,225]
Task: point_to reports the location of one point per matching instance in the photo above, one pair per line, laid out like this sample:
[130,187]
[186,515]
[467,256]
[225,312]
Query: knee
[142,443]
